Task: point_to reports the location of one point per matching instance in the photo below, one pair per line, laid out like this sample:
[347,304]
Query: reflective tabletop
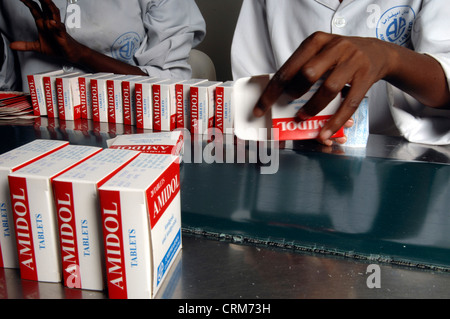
[320,214]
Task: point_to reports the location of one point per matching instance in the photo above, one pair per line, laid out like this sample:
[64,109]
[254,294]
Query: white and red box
[144,102]
[164,105]
[68,97]
[79,219]
[51,95]
[34,214]
[129,99]
[99,97]
[183,102]
[37,92]
[10,162]
[141,216]
[115,101]
[169,143]
[279,123]
[84,83]
[203,106]
[224,112]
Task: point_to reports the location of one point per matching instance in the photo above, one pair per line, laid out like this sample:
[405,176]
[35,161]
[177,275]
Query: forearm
[419,75]
[97,62]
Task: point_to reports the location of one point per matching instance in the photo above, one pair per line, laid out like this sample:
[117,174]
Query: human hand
[53,39]
[341,61]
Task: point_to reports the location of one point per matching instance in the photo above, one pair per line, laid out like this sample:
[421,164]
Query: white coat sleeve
[251,50]
[431,35]
[173,27]
[7,71]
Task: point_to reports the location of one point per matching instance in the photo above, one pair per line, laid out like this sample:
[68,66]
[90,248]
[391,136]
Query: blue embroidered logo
[126,46]
[395,25]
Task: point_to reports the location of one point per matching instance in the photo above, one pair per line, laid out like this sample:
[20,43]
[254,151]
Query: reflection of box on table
[35,219]
[141,215]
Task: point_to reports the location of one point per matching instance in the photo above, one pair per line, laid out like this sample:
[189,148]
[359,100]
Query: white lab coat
[269,31]
[155,35]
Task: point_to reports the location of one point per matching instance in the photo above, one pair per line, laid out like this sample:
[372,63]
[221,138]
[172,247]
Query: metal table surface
[310,230]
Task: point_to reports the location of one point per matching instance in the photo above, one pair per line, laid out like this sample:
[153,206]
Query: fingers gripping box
[35,218]
[9,162]
[79,219]
[282,116]
[141,225]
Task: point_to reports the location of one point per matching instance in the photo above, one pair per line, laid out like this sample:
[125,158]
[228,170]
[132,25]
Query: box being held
[9,162]
[141,225]
[282,115]
[79,219]
[35,218]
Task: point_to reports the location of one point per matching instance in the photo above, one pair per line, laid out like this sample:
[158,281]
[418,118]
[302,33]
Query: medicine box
[141,225]
[34,214]
[9,162]
[79,219]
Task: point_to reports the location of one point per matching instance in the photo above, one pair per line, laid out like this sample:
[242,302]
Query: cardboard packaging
[35,218]
[164,105]
[203,106]
[141,225]
[68,97]
[79,219]
[282,115]
[144,102]
[37,92]
[224,115]
[169,143]
[84,83]
[99,96]
[183,102]
[115,101]
[129,99]
[9,162]
[51,97]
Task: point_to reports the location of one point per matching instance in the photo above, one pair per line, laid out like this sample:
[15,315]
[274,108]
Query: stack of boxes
[91,218]
[148,103]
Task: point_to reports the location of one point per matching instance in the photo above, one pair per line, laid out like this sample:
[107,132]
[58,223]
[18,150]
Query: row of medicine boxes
[90,218]
[148,103]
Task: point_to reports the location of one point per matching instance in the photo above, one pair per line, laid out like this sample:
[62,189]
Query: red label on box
[139,106]
[156,107]
[113,244]
[22,225]
[162,192]
[67,234]
[289,129]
